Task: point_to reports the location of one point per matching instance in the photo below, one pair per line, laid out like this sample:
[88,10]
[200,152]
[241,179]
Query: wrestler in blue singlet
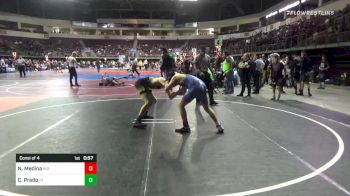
[195,89]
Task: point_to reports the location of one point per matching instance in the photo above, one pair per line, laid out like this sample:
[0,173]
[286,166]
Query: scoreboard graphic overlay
[56,169]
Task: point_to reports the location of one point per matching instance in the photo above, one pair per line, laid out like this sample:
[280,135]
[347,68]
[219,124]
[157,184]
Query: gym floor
[269,148]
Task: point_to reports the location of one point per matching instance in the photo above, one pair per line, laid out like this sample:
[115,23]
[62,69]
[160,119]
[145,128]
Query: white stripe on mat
[35,136]
[6,193]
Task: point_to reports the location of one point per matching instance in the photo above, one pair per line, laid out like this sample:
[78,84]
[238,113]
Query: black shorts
[278,81]
[305,77]
[143,85]
[296,76]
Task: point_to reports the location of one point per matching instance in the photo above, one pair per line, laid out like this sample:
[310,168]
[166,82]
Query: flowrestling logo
[310,13]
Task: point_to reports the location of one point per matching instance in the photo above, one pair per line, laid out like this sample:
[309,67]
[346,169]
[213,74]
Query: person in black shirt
[218,62]
[186,66]
[296,73]
[201,69]
[246,66]
[167,67]
[305,69]
[98,65]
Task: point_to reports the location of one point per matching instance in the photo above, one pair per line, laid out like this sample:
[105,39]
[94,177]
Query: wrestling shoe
[148,117]
[214,103]
[183,130]
[139,125]
[220,129]
[309,92]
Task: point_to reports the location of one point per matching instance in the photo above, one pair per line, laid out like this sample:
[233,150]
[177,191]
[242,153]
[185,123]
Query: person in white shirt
[145,64]
[2,62]
[72,62]
[324,66]
[257,73]
[2,65]
[21,66]
[134,67]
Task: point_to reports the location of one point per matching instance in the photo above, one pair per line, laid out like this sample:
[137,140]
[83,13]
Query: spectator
[21,66]
[167,67]
[298,33]
[2,62]
[227,70]
[305,73]
[145,64]
[186,67]
[134,65]
[257,73]
[290,68]
[266,71]
[277,78]
[98,65]
[246,67]
[324,66]
[202,66]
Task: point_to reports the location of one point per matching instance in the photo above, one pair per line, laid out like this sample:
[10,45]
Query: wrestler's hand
[172,95]
[181,91]
[168,92]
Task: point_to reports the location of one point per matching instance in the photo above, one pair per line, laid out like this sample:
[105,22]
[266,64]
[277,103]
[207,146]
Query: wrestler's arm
[160,82]
[181,91]
[169,87]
